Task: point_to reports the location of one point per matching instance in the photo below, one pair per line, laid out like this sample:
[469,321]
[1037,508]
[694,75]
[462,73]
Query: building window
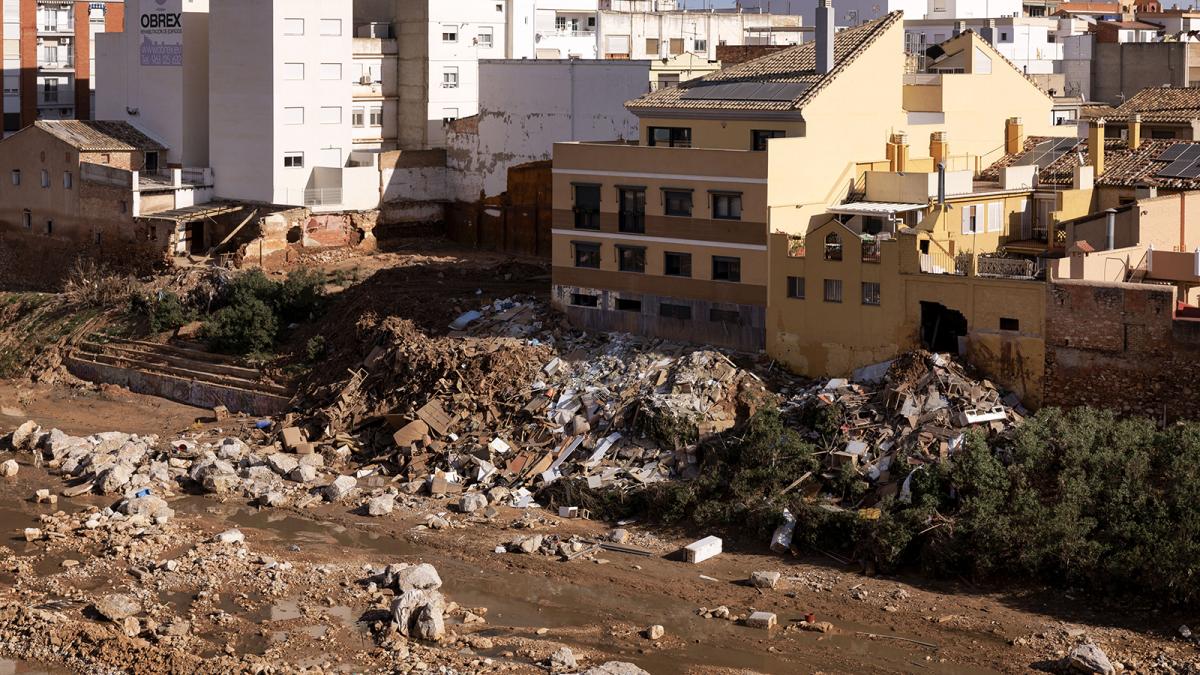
[16,177]
[759,138]
[795,288]
[725,268]
[833,290]
[45,178]
[1003,36]
[631,259]
[652,47]
[624,305]
[677,264]
[50,90]
[449,33]
[833,246]
[293,160]
[632,217]
[671,137]
[678,203]
[27,219]
[67,180]
[358,117]
[871,252]
[870,293]
[450,77]
[585,300]
[293,116]
[485,36]
[587,207]
[670,311]
[49,227]
[700,46]
[293,26]
[331,27]
[122,207]
[727,206]
[587,254]
[331,114]
[331,71]
[448,115]
[724,315]
[970,219]
[376,115]
[1007,323]
[293,71]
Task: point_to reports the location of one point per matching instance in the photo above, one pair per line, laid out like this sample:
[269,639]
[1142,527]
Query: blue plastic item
[144,492]
[262,424]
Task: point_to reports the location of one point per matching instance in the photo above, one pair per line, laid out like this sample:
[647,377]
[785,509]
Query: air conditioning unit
[366,80]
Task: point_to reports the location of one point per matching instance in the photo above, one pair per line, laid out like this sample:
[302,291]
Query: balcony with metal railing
[56,27]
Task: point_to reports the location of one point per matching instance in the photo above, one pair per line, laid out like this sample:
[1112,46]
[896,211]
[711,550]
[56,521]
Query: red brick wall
[1119,346]
[28,62]
[83,64]
[114,17]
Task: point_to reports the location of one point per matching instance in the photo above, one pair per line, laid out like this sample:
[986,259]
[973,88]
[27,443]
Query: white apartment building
[847,13]
[1034,45]
[974,9]
[662,35]
[156,77]
[552,29]
[280,100]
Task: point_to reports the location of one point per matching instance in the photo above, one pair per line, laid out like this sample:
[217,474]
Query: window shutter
[995,217]
[966,219]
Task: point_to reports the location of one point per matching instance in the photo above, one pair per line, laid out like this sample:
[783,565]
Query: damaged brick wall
[519,221]
[32,262]
[1119,346]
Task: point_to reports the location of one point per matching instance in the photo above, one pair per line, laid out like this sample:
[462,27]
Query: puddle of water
[13,667]
[286,528]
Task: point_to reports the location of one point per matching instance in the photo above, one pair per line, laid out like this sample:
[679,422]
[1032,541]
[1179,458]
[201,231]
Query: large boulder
[23,437]
[404,577]
[9,468]
[115,478]
[420,613]
[151,507]
[472,502]
[215,475]
[381,505]
[563,661]
[118,607]
[282,463]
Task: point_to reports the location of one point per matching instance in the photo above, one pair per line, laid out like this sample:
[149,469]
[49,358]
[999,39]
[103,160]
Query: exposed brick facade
[1119,346]
[83,63]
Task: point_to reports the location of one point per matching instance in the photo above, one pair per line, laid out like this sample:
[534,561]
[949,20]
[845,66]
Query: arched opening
[941,327]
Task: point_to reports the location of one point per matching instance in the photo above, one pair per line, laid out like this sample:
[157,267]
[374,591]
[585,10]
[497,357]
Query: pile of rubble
[896,417]
[509,400]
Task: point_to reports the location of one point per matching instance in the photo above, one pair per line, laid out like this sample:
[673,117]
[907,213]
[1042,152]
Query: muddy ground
[294,596]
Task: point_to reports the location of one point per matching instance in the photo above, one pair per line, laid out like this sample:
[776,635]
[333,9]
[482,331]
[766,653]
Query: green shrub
[167,312]
[244,326]
[300,295]
[314,349]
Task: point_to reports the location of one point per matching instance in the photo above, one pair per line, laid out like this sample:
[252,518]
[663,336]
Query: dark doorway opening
[941,327]
[195,234]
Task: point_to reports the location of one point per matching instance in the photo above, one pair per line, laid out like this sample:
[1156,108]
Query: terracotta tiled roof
[1122,167]
[99,136]
[1096,111]
[1089,8]
[795,65]
[1161,104]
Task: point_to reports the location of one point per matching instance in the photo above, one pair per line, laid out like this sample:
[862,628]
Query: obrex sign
[161,20]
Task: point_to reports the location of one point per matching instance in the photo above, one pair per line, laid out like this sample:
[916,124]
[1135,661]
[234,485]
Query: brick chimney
[825,30]
[897,151]
[939,147]
[1096,146]
[1014,135]
[1135,131]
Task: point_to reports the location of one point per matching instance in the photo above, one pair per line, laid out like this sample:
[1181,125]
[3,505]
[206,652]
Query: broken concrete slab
[699,551]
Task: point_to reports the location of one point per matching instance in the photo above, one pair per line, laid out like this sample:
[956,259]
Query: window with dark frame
[795,288]
[727,205]
[833,246]
[725,268]
[632,216]
[716,315]
[677,264]
[587,207]
[833,290]
[587,254]
[670,137]
[759,138]
[870,293]
[670,311]
[1007,323]
[585,300]
[631,259]
[628,305]
[677,203]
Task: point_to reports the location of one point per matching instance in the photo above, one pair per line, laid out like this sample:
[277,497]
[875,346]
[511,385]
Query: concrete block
[699,551]
[764,620]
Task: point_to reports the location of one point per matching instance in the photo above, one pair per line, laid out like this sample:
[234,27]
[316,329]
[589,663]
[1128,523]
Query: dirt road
[296,595]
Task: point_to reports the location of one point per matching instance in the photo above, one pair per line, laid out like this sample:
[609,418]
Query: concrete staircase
[180,371]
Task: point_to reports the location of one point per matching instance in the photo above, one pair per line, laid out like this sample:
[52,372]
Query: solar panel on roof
[1047,152]
[1176,169]
[1172,153]
[745,91]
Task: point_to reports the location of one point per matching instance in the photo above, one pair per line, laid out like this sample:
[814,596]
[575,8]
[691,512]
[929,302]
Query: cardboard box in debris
[900,415]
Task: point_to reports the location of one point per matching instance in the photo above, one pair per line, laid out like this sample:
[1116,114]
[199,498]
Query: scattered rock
[1088,658]
[404,577]
[230,537]
[615,668]
[9,468]
[118,607]
[816,626]
[22,438]
[472,502]
[618,536]
[282,463]
[420,613]
[381,505]
[340,488]
[764,579]
[563,660]
[655,632]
